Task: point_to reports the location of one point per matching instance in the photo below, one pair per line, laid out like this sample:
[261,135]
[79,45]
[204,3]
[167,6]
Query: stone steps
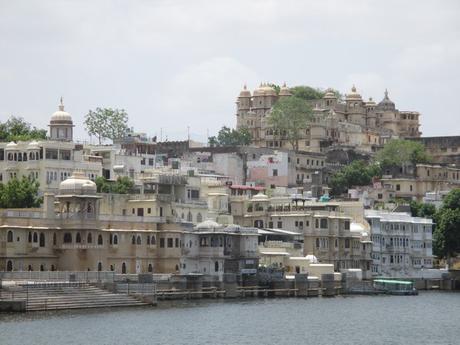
[72,297]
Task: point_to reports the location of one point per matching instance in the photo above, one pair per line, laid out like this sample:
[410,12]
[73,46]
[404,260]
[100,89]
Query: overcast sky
[173,64]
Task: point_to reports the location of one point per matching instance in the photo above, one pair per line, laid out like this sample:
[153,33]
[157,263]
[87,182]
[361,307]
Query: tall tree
[17,129]
[230,137]
[307,93]
[20,193]
[446,237]
[288,117]
[358,173]
[398,152]
[106,123]
[123,185]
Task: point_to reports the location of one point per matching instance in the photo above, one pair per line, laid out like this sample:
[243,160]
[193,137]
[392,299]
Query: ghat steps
[68,296]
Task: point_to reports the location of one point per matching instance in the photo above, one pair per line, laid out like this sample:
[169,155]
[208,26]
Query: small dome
[78,183]
[285,91]
[354,95]
[330,94]
[386,103]
[260,197]
[245,92]
[260,91]
[61,116]
[269,90]
[370,102]
[313,259]
[208,225]
[33,145]
[11,146]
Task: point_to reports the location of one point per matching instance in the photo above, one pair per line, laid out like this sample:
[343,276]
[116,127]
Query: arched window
[189,216]
[99,266]
[42,239]
[24,157]
[216,266]
[78,238]
[153,240]
[123,268]
[150,269]
[35,237]
[31,156]
[100,242]
[177,268]
[89,208]
[148,239]
[89,238]
[112,268]
[110,239]
[42,267]
[115,239]
[317,243]
[53,268]
[139,240]
[199,218]
[133,240]
[67,237]
[10,236]
[54,239]
[9,266]
[30,237]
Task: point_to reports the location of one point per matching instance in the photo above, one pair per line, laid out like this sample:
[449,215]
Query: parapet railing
[60,276]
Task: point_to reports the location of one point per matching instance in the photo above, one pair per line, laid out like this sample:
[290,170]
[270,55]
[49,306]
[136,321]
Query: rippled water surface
[430,318]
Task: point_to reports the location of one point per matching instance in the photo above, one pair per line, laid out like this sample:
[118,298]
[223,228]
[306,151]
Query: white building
[48,161]
[214,249]
[402,244]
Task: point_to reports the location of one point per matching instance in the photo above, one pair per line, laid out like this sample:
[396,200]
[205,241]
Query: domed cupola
[245,92]
[353,95]
[285,91]
[61,125]
[77,184]
[386,103]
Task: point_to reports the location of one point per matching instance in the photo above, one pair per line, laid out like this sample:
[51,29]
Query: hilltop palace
[353,122]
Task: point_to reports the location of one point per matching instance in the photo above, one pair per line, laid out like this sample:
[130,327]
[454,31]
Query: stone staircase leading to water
[54,296]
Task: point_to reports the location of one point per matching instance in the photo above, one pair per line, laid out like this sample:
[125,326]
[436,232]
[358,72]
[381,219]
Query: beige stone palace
[76,230]
[364,125]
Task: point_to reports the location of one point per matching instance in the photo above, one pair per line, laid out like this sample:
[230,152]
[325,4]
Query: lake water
[430,318]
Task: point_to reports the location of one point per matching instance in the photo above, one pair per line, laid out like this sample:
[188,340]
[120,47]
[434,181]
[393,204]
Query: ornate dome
[260,91]
[11,146]
[330,94]
[269,90]
[78,183]
[285,91]
[386,103]
[61,116]
[354,95]
[245,92]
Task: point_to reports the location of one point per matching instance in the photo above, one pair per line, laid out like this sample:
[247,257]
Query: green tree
[358,173]
[231,137]
[420,209]
[307,93]
[446,237]
[398,152]
[17,129]
[20,193]
[106,123]
[123,185]
[288,117]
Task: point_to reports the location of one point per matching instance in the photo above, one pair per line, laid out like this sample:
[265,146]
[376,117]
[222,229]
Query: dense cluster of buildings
[364,125]
[216,210]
